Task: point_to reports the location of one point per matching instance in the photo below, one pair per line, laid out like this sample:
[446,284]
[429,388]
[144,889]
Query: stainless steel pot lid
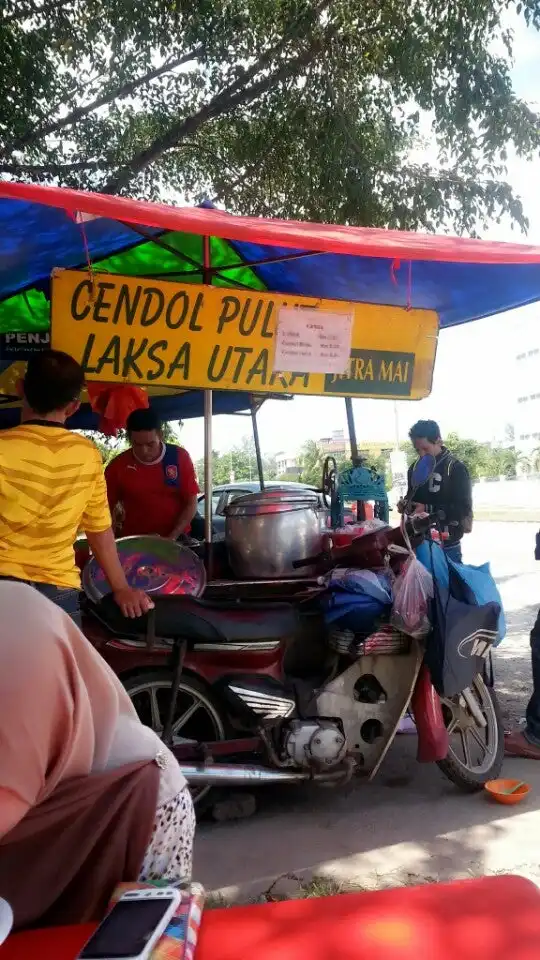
[272,501]
[160,567]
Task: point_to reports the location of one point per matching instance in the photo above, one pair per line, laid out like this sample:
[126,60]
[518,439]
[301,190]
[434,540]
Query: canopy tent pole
[208,481]
[208,477]
[352,430]
[260,466]
[360,509]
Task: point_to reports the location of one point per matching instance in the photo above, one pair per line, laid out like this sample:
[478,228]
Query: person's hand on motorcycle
[133,603]
[404,506]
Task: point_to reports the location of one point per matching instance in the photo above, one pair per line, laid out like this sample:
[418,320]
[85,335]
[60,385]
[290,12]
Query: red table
[494,917]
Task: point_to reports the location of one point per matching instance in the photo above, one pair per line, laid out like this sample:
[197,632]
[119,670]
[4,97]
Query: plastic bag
[413,590]
[343,536]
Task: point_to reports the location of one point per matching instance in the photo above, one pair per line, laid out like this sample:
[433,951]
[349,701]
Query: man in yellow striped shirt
[52,485]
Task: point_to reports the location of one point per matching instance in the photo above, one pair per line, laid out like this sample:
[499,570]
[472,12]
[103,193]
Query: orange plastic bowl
[497,788]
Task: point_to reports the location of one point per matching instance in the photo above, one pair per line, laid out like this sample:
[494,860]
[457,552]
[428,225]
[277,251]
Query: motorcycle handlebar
[419,525]
[308,561]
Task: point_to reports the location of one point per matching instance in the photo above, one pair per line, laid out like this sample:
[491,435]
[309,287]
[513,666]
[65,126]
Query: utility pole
[398,459]
[396,425]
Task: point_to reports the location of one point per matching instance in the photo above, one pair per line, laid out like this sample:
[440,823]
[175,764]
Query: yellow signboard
[148,332]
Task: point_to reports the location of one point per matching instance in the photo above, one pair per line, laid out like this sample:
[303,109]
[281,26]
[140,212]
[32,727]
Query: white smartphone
[134,925]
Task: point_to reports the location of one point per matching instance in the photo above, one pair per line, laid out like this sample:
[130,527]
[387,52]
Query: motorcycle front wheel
[475,731]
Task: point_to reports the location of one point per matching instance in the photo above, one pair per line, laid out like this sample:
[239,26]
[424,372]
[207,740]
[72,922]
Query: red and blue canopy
[46,227]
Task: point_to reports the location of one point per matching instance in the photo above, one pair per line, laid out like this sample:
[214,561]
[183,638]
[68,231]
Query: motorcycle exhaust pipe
[216,774]
[235,775]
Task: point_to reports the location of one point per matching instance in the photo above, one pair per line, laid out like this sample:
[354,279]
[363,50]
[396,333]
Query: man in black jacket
[448,489]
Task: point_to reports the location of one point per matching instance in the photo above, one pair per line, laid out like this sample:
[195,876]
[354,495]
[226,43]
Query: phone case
[180,938]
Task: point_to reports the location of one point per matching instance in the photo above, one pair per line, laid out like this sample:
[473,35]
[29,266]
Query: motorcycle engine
[314,743]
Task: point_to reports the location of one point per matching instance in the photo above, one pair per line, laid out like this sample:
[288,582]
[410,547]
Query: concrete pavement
[410,824]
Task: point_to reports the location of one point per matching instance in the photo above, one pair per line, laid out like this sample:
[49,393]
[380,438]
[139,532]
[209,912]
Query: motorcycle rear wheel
[475,754]
[198,716]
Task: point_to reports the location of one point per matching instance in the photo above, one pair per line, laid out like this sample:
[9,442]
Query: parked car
[223,495]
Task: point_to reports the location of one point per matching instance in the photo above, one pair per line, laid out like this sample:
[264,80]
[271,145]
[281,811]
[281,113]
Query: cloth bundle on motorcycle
[357,600]
[356,612]
[376,584]
[462,635]
[479,580]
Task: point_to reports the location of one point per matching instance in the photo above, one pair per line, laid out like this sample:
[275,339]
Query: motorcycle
[250,689]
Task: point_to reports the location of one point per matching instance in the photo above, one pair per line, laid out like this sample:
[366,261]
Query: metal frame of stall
[208,272]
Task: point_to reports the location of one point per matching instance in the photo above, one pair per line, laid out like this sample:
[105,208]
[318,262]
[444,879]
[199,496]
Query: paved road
[411,823]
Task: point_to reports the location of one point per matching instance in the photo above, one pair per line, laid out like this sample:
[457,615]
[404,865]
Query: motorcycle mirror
[422,470]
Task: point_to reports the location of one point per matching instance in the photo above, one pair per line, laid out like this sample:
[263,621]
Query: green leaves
[375,112]
[311,462]
[237,464]
[483,459]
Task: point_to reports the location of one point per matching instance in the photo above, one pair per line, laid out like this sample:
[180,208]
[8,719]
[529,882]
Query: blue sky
[475,398]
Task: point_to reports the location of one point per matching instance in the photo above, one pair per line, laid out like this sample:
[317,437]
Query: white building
[527,405]
[287,465]
[338,443]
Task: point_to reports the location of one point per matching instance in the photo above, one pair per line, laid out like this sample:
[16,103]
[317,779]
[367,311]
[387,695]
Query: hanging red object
[433,740]
[114,403]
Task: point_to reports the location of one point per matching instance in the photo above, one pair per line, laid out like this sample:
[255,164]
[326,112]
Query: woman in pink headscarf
[87,793]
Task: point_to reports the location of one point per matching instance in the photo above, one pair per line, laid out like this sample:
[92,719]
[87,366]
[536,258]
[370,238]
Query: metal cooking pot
[266,531]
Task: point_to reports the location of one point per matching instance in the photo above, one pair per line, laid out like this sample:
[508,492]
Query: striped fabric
[51,486]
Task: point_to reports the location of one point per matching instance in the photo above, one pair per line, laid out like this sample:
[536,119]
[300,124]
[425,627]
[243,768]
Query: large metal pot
[266,531]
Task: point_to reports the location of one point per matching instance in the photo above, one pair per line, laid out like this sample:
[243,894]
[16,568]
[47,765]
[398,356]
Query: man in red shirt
[154,482]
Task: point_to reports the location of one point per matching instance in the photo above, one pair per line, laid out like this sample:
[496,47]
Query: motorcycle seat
[201,622]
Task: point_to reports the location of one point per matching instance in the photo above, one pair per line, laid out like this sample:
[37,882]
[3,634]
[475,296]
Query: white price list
[312,341]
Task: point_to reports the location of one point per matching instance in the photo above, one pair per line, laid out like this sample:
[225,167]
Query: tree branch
[53,168]
[253,169]
[47,8]
[222,103]
[266,58]
[125,90]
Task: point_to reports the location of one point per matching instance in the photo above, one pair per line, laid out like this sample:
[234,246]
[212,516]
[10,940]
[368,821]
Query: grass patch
[295,889]
[291,887]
